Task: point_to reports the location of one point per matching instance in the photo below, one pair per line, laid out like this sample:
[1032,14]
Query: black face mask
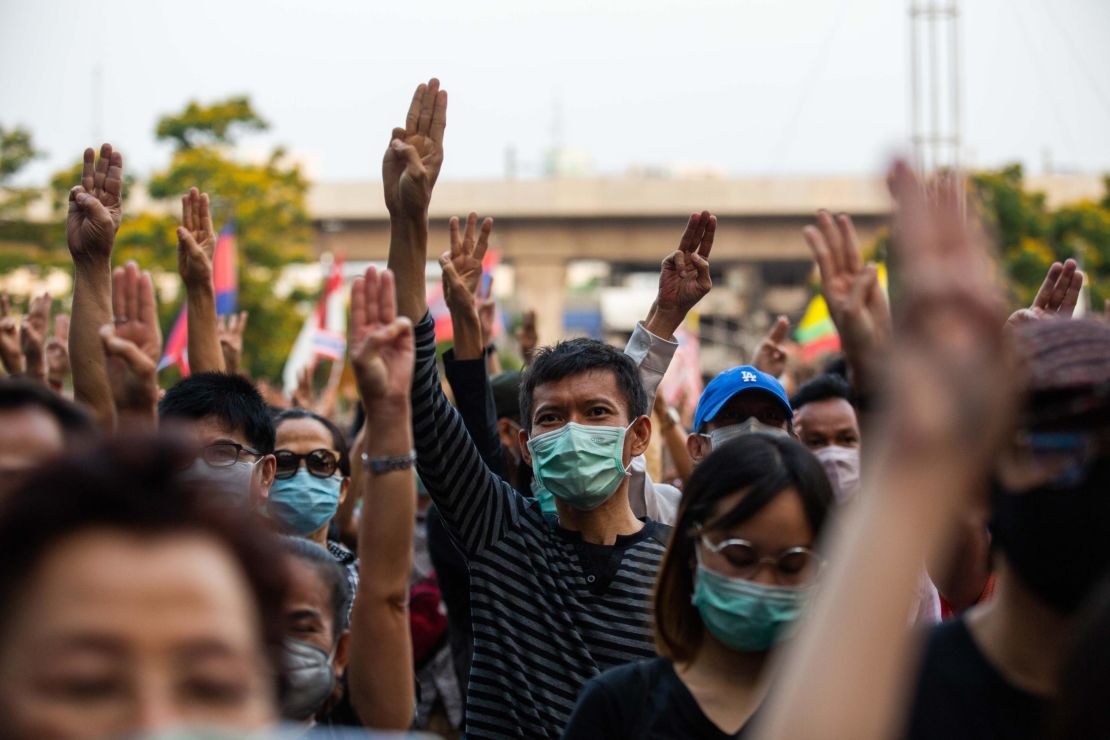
[1057,540]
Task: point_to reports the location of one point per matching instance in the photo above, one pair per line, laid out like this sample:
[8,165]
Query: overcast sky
[749,87]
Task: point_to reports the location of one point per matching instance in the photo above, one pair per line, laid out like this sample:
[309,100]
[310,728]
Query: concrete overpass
[760,261]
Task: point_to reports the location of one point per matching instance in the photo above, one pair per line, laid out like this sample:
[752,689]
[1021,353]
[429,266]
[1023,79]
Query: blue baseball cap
[736,380]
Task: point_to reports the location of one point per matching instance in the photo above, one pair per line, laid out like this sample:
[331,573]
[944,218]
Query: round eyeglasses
[795,567]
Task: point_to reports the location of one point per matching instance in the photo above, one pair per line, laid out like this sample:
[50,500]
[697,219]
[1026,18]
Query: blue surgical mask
[545,498]
[581,464]
[746,616]
[303,503]
[751,425]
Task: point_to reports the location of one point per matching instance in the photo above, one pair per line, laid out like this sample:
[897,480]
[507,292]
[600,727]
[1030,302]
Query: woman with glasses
[739,569]
[311,481]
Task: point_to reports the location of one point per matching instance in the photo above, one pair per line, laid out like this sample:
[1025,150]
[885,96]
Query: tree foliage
[218,123]
[17,149]
[1031,236]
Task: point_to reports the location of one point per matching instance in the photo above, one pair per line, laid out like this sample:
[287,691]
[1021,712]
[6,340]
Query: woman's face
[121,633]
[302,436]
[773,531]
[308,606]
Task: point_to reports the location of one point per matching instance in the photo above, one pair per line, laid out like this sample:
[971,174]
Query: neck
[722,665]
[320,536]
[602,525]
[1021,636]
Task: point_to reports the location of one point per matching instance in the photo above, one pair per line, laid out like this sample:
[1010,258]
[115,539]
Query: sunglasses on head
[319,463]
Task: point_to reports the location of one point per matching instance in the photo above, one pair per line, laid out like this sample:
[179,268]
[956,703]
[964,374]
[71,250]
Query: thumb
[185,240]
[408,151]
[90,205]
[780,330]
[124,349]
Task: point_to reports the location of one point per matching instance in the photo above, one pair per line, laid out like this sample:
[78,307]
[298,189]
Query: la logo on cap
[748,377]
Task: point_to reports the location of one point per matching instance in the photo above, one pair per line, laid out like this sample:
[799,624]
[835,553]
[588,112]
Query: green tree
[264,201]
[1031,236]
[17,149]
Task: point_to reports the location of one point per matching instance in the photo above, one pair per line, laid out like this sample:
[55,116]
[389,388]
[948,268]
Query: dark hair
[761,465]
[230,398]
[18,393]
[338,441]
[331,574]
[821,388]
[132,484]
[577,356]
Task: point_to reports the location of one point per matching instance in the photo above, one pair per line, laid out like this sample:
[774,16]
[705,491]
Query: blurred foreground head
[1052,498]
[131,601]
[35,424]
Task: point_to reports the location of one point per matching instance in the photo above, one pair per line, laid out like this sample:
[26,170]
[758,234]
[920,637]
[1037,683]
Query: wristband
[383,465]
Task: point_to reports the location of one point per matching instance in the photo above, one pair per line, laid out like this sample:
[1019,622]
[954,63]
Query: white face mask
[751,425]
[235,479]
[841,464]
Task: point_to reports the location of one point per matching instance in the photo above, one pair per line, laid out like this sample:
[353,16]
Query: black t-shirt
[961,695]
[645,700]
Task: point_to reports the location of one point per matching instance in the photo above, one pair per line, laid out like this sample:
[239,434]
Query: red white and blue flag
[324,333]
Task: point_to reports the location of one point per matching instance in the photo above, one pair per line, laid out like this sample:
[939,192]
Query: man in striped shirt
[555,599]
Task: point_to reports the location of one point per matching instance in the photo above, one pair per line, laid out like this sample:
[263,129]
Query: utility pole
[936,126]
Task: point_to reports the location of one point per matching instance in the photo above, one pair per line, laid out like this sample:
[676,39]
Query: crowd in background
[911,543]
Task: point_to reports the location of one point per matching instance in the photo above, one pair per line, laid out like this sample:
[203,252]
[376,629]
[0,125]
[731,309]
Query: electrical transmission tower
[935,85]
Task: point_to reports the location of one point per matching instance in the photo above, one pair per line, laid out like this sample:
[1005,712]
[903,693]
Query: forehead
[832,413]
[307,590]
[142,594]
[293,434]
[575,389]
[751,403]
[779,525]
[27,436]
[208,429]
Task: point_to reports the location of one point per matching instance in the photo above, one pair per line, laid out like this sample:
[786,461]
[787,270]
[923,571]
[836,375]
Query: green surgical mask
[581,464]
[544,497]
[746,616]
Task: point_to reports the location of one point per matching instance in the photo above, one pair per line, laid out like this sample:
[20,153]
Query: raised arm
[229,330]
[857,303]
[91,225]
[409,172]
[381,665]
[949,406]
[32,336]
[770,355]
[196,245]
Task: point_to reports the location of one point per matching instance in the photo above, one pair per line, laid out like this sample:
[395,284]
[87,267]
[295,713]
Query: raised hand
[382,347]
[1057,297]
[467,252]
[684,278]
[95,207]
[415,154]
[304,396]
[857,303]
[133,376]
[230,329]
[196,239]
[11,354]
[770,356]
[487,312]
[57,352]
[949,373]
[135,311]
[527,336]
[32,336]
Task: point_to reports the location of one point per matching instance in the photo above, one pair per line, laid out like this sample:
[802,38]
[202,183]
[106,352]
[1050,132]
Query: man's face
[755,403]
[592,397]
[828,422]
[28,436]
[210,430]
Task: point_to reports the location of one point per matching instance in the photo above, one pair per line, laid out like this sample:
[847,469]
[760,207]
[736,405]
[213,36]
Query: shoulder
[614,704]
[657,532]
[632,679]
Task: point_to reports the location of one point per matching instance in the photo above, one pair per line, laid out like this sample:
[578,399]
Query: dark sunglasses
[319,463]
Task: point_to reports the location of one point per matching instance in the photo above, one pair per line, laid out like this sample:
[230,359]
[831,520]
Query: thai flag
[225,276]
[324,333]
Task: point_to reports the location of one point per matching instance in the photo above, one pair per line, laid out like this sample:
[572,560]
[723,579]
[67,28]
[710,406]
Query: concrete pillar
[541,286]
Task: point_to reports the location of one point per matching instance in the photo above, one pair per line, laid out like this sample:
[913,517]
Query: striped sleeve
[477,506]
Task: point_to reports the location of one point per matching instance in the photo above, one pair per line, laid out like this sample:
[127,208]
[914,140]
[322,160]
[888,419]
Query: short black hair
[133,485]
[762,465]
[230,398]
[577,356]
[337,439]
[19,393]
[821,388]
[330,572]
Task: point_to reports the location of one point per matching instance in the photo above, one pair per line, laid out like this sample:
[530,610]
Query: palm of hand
[383,369]
[196,265]
[146,337]
[131,390]
[414,185]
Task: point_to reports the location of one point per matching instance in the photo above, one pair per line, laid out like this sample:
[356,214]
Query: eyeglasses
[795,567]
[319,463]
[225,454]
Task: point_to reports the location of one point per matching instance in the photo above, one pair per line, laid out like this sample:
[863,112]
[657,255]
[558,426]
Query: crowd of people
[909,544]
